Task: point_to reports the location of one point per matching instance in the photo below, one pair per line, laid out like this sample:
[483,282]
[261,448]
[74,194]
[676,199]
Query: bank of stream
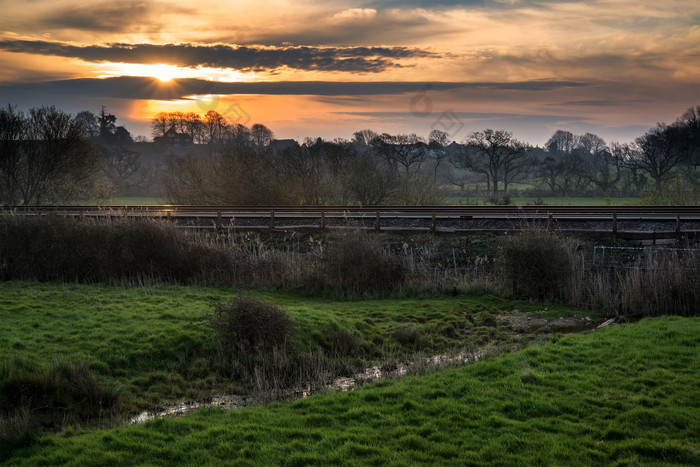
[529,323]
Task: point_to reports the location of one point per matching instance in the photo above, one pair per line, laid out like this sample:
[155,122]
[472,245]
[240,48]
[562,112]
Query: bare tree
[689,125]
[549,171]
[47,157]
[370,183]
[591,144]
[160,124]
[215,126]
[495,154]
[561,141]
[13,130]
[602,165]
[407,151]
[261,135]
[121,164]
[238,135]
[89,122]
[658,151]
[364,137]
[437,144]
[194,126]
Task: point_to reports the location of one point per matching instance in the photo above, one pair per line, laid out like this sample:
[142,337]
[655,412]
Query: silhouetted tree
[121,164]
[46,157]
[496,154]
[160,124]
[550,170]
[406,151]
[561,141]
[261,135]
[106,122]
[215,126]
[89,122]
[658,151]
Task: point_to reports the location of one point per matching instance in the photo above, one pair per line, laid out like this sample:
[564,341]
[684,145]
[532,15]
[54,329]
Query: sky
[314,68]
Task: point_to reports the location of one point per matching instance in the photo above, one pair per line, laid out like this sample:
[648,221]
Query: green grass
[152,341]
[625,395]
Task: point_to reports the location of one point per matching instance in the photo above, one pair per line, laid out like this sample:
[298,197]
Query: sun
[165,73]
[160,71]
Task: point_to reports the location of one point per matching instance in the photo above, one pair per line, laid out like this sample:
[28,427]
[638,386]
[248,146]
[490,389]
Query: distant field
[625,395]
[130,201]
[552,201]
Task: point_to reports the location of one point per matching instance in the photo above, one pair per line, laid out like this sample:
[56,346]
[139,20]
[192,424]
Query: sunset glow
[319,69]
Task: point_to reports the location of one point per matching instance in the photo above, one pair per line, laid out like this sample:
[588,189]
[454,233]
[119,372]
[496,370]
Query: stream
[341,383]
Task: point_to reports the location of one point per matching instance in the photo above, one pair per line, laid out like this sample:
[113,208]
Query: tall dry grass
[669,284]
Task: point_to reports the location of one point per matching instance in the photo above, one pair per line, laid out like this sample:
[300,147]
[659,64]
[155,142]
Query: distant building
[173,138]
[281,145]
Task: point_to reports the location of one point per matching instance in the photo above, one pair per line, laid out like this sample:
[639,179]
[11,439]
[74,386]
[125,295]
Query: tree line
[374,168]
[49,156]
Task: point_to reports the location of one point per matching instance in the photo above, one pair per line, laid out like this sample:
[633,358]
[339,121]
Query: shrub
[539,264]
[65,249]
[341,342]
[356,264]
[246,326]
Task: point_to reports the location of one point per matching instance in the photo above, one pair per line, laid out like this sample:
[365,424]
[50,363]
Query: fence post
[377,225]
[454,260]
[678,227]
[272,220]
[433,227]
[614,227]
[323,220]
[218,220]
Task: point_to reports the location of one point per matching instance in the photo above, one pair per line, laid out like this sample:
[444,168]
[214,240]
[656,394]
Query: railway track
[634,223]
[442,211]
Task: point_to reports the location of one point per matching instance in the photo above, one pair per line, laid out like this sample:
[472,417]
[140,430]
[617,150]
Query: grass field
[626,395]
[152,341]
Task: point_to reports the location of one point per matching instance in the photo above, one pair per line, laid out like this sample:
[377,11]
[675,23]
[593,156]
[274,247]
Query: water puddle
[342,383]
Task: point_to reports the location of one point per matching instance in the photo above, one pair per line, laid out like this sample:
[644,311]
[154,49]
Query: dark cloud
[392,26]
[491,4]
[603,103]
[150,88]
[245,58]
[103,17]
